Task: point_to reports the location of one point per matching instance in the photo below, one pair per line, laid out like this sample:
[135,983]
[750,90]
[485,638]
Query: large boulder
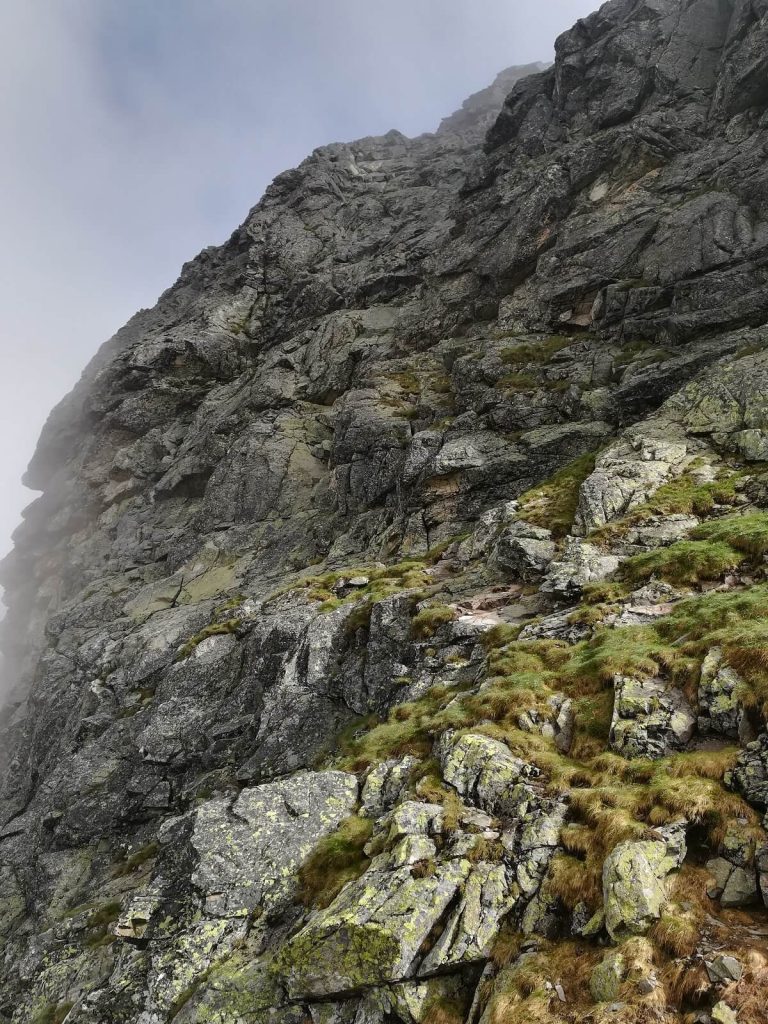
[579,564]
[485,773]
[650,718]
[371,934]
[250,849]
[634,894]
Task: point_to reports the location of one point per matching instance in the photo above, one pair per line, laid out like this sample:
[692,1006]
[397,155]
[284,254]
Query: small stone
[723,1014]
[740,889]
[560,992]
[720,869]
[724,969]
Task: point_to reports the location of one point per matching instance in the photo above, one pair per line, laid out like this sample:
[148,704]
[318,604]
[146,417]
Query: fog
[137,133]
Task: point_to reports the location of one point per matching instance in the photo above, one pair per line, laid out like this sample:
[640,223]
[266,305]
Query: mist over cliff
[389,638]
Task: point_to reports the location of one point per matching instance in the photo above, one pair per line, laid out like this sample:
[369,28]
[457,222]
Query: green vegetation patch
[535,351]
[136,860]
[212,629]
[337,859]
[427,622]
[715,548]
[52,1013]
[517,381]
[685,563]
[747,533]
[553,504]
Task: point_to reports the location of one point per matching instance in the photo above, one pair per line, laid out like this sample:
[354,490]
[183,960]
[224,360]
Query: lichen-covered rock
[411,849]
[650,718]
[534,840]
[135,918]
[413,818]
[722,1013]
[727,404]
[250,848]
[734,885]
[626,474]
[558,626]
[485,773]
[720,707]
[242,989]
[371,934]
[524,551]
[657,532]
[177,969]
[750,776]
[487,896]
[634,873]
[384,784]
[579,564]
[606,978]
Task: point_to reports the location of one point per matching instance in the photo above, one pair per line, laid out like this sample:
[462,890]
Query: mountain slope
[390,633]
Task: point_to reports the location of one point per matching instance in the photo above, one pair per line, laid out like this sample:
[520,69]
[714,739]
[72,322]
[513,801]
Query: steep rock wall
[364,648]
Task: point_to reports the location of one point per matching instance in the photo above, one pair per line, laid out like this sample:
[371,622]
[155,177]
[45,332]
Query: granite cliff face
[390,635]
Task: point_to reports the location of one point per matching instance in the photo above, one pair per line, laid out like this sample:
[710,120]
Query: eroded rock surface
[314,627]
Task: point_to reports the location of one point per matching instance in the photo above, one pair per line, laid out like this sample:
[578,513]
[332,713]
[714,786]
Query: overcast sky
[135,132]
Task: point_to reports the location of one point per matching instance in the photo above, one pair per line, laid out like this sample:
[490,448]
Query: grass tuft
[337,859]
[553,504]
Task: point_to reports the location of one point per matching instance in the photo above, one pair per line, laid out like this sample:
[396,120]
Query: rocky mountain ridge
[390,633]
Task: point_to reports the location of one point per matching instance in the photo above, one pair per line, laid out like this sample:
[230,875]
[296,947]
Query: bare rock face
[249,851]
[312,711]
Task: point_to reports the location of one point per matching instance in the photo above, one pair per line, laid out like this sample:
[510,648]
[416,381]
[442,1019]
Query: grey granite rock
[403,338]
[579,564]
[250,849]
[650,718]
[634,877]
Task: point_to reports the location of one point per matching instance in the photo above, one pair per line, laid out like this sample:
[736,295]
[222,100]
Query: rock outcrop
[389,634]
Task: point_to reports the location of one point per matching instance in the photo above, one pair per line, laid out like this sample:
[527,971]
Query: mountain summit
[390,637]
